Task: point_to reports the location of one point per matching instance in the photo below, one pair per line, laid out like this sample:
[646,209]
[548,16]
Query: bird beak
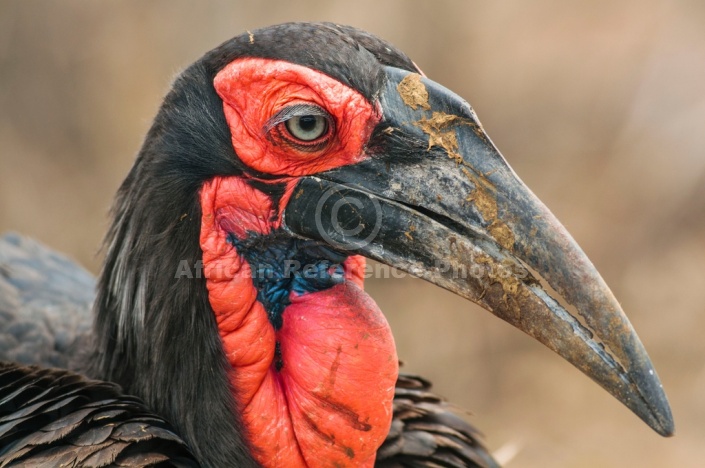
[435,198]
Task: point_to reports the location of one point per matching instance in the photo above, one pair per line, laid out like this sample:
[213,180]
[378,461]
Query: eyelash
[278,132]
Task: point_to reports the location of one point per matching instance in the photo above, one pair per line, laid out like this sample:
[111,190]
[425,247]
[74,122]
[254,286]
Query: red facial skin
[331,402]
[253,90]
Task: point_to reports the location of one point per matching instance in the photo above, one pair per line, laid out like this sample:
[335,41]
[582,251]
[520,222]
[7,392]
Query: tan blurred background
[599,107]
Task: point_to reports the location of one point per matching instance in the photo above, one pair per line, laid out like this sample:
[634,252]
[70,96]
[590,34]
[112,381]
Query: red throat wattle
[328,401]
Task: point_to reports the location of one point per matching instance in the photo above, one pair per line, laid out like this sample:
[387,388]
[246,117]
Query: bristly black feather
[156,333]
[427,432]
[155,330]
[52,417]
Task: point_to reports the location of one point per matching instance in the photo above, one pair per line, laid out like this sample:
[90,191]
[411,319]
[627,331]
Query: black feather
[51,417]
[45,304]
[426,431]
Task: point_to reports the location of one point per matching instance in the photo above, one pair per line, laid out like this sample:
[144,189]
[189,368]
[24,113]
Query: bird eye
[307,127]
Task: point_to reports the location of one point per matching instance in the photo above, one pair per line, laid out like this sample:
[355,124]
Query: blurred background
[599,106]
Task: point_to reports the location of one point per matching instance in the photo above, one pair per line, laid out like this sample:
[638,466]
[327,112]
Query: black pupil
[307,122]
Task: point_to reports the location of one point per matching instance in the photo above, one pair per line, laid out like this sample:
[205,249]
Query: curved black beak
[438,200]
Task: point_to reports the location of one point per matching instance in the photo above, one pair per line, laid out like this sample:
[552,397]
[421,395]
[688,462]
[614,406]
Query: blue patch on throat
[281,264]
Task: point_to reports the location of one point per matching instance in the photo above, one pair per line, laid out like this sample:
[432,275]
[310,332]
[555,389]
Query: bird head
[232,293]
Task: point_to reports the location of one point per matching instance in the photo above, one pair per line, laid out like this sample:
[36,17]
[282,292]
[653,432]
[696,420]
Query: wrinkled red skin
[331,402]
[253,90]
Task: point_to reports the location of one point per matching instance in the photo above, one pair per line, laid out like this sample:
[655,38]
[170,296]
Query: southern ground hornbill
[231,300]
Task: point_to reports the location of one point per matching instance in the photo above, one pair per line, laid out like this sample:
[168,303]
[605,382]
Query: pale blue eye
[307,127]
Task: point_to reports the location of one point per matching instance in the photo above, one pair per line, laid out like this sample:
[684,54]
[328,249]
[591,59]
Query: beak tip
[663,423]
[646,397]
[657,411]
[664,426]
[669,431]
